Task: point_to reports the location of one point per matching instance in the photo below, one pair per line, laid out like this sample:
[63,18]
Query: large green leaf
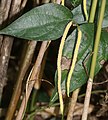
[46,22]
[79,75]
[78,14]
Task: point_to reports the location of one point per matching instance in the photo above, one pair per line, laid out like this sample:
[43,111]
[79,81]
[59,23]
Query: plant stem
[93,64]
[85,9]
[97,39]
[32,79]
[72,104]
[26,61]
[93,11]
[38,82]
[93,92]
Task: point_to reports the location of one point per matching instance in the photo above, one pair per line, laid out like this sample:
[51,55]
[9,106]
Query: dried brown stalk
[32,78]
[41,70]
[26,61]
[72,104]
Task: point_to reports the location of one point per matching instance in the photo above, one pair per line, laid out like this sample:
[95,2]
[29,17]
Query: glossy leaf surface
[46,22]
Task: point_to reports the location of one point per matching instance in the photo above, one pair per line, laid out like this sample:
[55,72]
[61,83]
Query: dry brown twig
[33,77]
[100,83]
[26,61]
[72,104]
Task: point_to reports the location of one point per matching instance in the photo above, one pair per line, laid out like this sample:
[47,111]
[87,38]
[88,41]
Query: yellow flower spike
[85,9]
[74,59]
[59,65]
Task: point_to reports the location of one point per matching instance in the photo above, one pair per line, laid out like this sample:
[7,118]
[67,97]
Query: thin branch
[93,92]
[72,105]
[100,83]
[92,12]
[26,61]
[33,77]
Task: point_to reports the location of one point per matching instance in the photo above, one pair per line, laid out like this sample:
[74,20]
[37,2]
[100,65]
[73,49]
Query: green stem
[33,100]
[97,39]
[41,109]
[93,11]
[93,64]
[93,92]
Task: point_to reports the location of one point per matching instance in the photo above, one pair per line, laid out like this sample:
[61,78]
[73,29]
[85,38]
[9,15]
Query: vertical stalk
[93,11]
[93,64]
[97,39]
[32,79]
[72,104]
[26,61]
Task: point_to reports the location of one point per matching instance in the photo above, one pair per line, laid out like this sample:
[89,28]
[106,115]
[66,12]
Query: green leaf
[105,20]
[46,22]
[78,15]
[76,2]
[79,76]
